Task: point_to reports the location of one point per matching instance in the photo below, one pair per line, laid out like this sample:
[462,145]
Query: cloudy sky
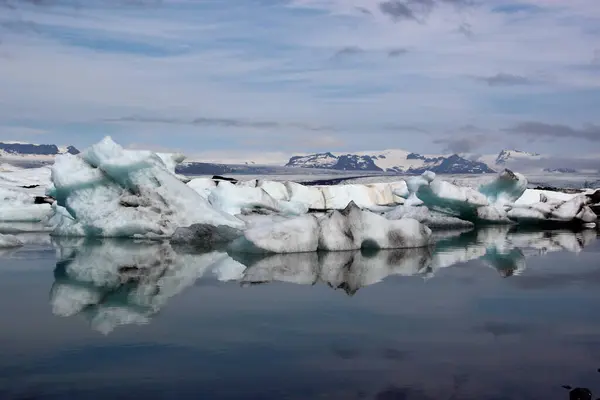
[227,79]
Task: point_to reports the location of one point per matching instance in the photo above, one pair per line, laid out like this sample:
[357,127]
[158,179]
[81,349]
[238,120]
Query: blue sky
[262,79]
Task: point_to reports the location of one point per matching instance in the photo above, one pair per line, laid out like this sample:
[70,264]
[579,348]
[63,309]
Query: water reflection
[112,283]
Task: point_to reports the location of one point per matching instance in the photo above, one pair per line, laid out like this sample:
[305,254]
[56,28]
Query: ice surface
[506,188]
[532,196]
[202,186]
[309,195]
[111,192]
[205,236]
[276,190]
[18,206]
[349,229]
[432,219]
[294,235]
[233,199]
[575,210]
[171,160]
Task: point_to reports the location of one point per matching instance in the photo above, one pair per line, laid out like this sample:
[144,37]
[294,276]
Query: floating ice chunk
[18,206]
[295,235]
[400,190]
[8,241]
[309,195]
[432,219]
[32,181]
[349,229]
[204,235]
[112,192]
[506,188]
[494,214]
[276,190]
[336,233]
[354,228]
[234,200]
[337,197]
[450,198]
[171,160]
[251,183]
[202,186]
[24,212]
[575,210]
[255,220]
[532,196]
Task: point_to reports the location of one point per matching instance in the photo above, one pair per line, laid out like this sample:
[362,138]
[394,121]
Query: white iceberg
[202,186]
[296,235]
[233,199]
[505,189]
[107,191]
[19,206]
[576,210]
[349,229]
[432,219]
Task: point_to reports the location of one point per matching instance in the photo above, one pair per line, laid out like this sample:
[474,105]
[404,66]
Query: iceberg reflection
[115,283]
[112,282]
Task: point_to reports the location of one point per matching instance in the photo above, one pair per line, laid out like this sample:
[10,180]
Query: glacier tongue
[111,192]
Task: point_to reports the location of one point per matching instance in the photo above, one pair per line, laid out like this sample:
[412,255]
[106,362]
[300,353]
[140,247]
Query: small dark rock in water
[205,236]
[580,394]
[43,200]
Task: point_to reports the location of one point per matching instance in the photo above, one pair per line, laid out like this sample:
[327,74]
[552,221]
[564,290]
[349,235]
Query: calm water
[490,314]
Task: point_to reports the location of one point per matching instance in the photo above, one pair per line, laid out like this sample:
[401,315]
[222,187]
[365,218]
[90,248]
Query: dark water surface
[490,314]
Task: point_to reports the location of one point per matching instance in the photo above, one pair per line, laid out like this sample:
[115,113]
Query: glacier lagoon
[497,313]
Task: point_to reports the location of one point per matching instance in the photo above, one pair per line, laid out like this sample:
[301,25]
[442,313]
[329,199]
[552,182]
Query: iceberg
[107,191]
[233,199]
[505,189]
[349,229]
[432,219]
[202,186]
[294,235]
[574,211]
[18,206]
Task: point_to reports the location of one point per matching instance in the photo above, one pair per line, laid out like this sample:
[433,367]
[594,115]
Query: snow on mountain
[507,156]
[33,152]
[391,160]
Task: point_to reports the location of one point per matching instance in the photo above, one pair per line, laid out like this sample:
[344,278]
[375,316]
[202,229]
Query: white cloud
[273,63]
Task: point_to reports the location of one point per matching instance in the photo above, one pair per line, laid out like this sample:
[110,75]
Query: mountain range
[392,161]
[386,161]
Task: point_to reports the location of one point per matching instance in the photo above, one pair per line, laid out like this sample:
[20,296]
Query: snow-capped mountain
[507,156]
[33,152]
[399,161]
